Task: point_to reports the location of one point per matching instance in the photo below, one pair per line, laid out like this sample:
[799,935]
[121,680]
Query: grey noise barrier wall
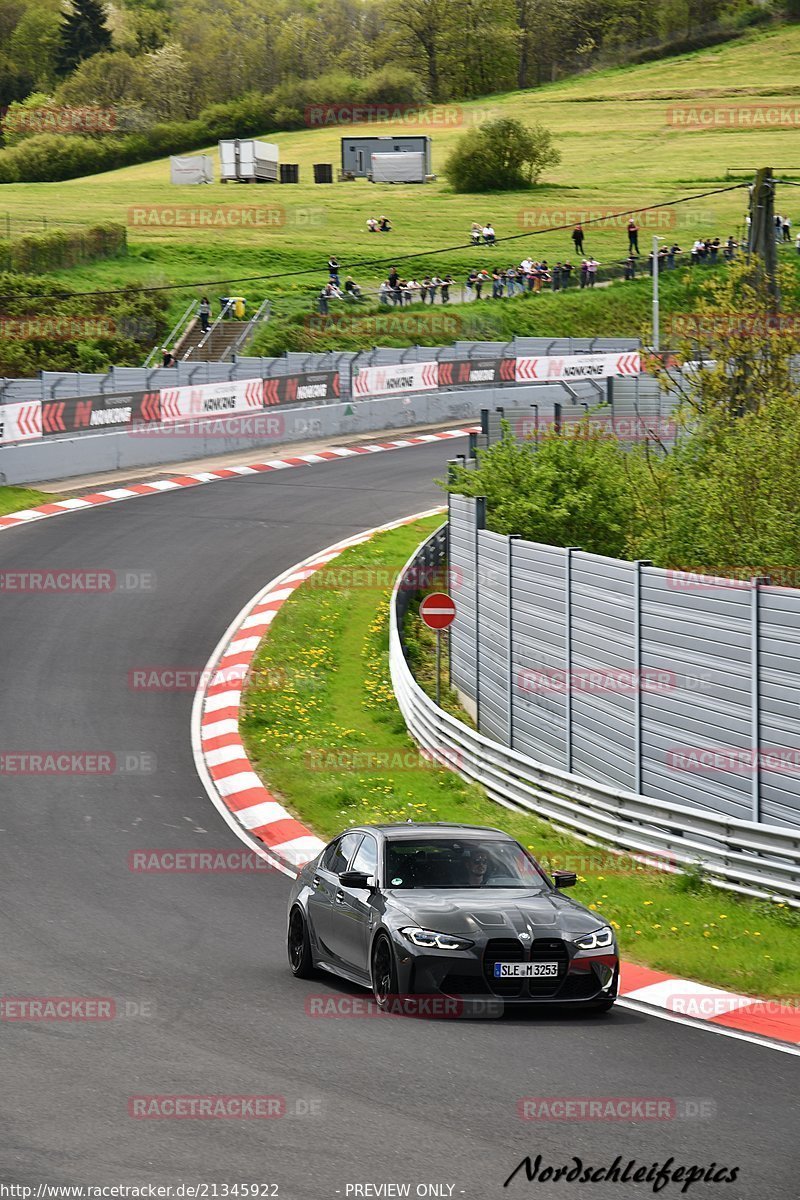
[669,684]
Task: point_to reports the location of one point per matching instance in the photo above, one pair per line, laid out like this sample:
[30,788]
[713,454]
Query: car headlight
[597,940]
[436,941]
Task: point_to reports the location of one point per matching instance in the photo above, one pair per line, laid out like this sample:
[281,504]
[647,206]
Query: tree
[34,44]
[84,32]
[423,23]
[501,155]
[565,489]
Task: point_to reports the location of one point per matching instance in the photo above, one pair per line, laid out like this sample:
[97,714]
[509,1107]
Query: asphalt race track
[196,962]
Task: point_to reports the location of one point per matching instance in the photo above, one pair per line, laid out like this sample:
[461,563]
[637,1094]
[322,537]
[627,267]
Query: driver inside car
[476,867]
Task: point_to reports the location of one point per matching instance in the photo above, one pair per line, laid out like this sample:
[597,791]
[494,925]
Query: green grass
[320,687]
[12,499]
[618,152]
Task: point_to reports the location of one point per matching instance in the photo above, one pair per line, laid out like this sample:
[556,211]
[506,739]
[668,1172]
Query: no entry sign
[437,611]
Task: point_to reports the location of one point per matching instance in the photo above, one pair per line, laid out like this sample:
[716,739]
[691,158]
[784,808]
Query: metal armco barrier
[753,859]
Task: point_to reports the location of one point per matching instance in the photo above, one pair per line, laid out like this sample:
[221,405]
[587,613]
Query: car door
[325,884]
[353,910]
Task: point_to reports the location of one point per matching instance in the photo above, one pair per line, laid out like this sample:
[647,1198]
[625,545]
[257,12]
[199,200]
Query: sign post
[437,612]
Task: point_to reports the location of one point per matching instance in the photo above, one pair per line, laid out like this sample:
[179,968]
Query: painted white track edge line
[767,1043]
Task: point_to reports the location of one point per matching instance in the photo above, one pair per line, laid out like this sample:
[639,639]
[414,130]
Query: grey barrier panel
[462,550]
[602,671]
[702,634]
[493,654]
[779,692]
[681,688]
[538,651]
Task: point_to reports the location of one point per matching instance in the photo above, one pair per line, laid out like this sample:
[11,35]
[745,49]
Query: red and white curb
[267,827]
[27,516]
[220,757]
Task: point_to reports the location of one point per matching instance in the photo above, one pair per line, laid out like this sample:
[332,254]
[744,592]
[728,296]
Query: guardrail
[262,313]
[741,856]
[178,329]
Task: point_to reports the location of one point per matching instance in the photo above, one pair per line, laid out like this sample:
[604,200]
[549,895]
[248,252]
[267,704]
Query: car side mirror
[355,879]
[564,879]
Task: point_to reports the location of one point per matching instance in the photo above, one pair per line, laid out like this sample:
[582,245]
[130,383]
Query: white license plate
[518,970]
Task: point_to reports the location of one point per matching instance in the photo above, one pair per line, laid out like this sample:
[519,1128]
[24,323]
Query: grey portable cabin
[357,152]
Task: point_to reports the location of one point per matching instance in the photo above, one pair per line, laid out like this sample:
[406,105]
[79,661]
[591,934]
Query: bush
[502,155]
[61,248]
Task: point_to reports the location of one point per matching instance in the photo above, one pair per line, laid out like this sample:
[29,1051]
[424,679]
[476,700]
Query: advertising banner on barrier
[212,399]
[396,377]
[317,388]
[146,407]
[20,422]
[576,366]
[463,371]
[77,413]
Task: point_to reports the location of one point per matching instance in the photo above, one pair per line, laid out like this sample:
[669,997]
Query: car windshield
[460,863]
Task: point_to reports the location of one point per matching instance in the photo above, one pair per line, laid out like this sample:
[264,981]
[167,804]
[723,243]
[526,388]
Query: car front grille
[512,950]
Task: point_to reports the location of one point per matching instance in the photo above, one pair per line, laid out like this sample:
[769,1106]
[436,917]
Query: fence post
[755,697]
[637,661]
[568,551]
[512,537]
[480,523]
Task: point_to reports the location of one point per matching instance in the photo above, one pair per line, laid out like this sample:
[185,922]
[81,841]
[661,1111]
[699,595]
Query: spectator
[584,273]
[433,283]
[333,269]
[577,237]
[481,278]
[629,267]
[497,284]
[168,359]
[797,243]
[787,229]
[633,237]
[372,225]
[447,283]
[671,252]
[556,277]
[384,292]
[352,290]
[489,235]
[526,265]
[713,250]
[475,233]
[204,313]
[384,224]
[566,272]
[322,302]
[471,280]
[591,271]
[393,277]
[778,227]
[511,280]
[697,251]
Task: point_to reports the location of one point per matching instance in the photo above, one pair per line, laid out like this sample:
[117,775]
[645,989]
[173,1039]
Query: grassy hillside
[618,152]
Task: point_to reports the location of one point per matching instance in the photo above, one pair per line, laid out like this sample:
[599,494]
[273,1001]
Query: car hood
[493,912]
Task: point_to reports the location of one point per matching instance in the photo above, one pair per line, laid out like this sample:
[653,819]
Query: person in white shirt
[488,235]
[526,265]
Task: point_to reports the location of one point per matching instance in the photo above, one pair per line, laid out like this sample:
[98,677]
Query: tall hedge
[63,248]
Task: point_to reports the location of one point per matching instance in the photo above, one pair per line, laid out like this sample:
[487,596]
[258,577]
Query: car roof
[435,829]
